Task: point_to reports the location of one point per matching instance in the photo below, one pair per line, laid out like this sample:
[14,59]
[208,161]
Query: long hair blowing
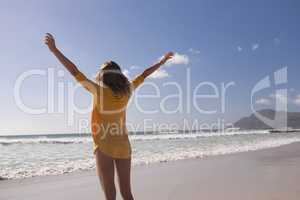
[113,77]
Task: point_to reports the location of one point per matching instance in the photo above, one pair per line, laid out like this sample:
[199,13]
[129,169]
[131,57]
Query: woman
[111,92]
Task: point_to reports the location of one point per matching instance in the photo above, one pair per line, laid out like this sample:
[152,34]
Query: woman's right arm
[69,65]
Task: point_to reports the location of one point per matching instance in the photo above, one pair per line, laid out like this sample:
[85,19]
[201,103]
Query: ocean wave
[194,135]
[143,157]
[166,136]
[219,149]
[45,141]
[46,169]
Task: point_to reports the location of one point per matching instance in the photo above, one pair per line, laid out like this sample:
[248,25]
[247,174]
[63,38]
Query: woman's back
[109,113]
[109,118]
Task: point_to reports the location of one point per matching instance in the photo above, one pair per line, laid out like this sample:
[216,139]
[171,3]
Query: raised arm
[140,78]
[157,65]
[69,65]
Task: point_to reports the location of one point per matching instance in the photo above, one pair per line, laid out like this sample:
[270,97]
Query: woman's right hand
[50,42]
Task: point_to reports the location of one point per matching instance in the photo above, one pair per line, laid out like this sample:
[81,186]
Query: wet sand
[271,174]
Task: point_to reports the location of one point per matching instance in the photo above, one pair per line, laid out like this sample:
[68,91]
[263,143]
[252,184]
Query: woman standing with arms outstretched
[111,91]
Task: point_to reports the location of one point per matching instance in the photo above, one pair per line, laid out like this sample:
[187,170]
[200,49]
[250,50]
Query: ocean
[23,156]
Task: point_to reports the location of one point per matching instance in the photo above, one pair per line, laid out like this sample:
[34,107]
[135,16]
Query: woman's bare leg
[123,167]
[106,173]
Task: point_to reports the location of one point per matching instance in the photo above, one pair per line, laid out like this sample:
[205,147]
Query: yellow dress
[108,119]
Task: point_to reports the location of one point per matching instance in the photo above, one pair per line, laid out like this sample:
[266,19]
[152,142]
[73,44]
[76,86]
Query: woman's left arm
[157,65]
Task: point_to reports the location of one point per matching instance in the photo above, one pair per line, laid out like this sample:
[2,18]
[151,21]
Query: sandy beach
[264,174]
[200,98]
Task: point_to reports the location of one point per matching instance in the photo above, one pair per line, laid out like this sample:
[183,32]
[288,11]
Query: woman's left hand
[50,42]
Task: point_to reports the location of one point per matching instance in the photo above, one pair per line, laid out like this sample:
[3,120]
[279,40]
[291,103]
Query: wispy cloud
[255,46]
[277,41]
[239,48]
[159,74]
[126,72]
[297,100]
[133,67]
[178,59]
[194,51]
[279,97]
[283,99]
[292,90]
[275,98]
[263,101]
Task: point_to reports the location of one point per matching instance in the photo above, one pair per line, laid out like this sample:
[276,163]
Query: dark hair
[113,77]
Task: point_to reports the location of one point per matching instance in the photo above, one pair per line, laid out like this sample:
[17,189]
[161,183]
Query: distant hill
[252,122]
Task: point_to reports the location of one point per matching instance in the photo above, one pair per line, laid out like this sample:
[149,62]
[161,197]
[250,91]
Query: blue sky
[239,41]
